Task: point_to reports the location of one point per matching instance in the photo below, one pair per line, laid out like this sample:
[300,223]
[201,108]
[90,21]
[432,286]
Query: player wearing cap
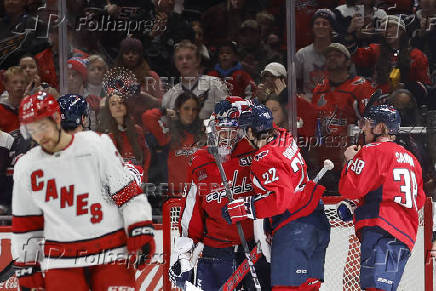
[73,191]
[388,181]
[289,202]
[202,220]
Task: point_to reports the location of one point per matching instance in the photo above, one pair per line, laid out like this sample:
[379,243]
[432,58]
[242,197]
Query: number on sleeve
[357,166]
[409,187]
[266,176]
[297,164]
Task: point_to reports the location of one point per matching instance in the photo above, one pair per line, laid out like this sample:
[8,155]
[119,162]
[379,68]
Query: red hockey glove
[141,243]
[29,274]
[239,209]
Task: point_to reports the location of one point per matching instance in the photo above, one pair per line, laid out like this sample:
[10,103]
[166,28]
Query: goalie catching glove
[184,259]
[140,242]
[345,209]
[239,209]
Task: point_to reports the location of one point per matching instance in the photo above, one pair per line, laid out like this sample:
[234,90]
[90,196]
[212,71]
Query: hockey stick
[213,150]
[242,270]
[7,272]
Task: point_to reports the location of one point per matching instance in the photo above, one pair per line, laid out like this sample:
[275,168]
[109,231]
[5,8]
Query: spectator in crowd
[169,28]
[21,33]
[229,69]
[199,42]
[253,54]
[266,24]
[341,99]
[14,80]
[404,101]
[127,136]
[394,61]
[310,61]
[131,57]
[34,83]
[222,21]
[6,141]
[94,92]
[359,16]
[278,107]
[209,90]
[174,136]
[273,77]
[77,75]
[424,31]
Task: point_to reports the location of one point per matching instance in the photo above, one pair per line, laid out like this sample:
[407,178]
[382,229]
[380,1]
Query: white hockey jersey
[72,208]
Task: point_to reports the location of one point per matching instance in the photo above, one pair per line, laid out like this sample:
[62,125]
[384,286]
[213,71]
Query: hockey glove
[239,209]
[140,241]
[345,210]
[29,275]
[184,260]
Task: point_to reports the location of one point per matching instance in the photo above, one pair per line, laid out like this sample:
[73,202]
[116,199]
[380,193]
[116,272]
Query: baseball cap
[395,20]
[276,69]
[338,47]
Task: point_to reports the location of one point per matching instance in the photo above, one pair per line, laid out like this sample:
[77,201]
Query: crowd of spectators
[186,56]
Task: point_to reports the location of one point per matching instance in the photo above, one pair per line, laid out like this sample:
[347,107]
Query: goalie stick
[255,254]
[213,150]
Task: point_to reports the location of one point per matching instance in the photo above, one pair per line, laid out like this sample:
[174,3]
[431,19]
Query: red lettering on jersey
[82,204]
[33,178]
[51,191]
[67,196]
[97,214]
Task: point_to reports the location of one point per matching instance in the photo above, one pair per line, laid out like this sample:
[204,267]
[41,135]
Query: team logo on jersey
[219,193]
[185,152]
[201,174]
[359,81]
[245,161]
[322,101]
[261,155]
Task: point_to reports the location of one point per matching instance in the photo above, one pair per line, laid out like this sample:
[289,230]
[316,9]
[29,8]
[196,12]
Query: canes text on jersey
[66,196]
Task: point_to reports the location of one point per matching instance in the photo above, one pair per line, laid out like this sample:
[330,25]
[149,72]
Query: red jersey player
[206,197]
[388,181]
[290,204]
[74,192]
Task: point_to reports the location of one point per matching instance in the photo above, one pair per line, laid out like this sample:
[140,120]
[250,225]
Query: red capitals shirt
[388,180]
[279,175]
[339,107]
[178,158]
[8,118]
[202,218]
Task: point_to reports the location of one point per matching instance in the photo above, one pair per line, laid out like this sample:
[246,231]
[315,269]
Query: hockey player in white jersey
[73,192]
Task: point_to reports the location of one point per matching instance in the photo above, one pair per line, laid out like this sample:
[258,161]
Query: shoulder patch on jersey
[261,155]
[321,101]
[358,81]
[201,174]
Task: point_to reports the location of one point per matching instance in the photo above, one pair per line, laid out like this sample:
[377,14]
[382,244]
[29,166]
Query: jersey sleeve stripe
[23,224]
[189,209]
[128,192]
[76,249]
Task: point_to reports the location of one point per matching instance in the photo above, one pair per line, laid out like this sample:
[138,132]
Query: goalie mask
[230,119]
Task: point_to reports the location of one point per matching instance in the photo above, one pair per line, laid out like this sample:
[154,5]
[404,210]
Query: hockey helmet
[73,107]
[262,119]
[231,117]
[384,114]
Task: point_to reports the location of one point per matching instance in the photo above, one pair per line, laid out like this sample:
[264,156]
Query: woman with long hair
[173,137]
[127,137]
[131,56]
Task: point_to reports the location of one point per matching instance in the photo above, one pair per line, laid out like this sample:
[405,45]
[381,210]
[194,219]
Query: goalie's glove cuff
[345,210]
[29,275]
[239,209]
[179,277]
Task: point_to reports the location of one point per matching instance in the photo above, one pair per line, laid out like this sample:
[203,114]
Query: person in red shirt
[341,99]
[289,203]
[393,61]
[15,83]
[387,179]
[126,135]
[173,137]
[229,69]
[202,220]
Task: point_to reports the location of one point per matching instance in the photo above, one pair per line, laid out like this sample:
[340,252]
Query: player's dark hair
[177,129]
[108,124]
